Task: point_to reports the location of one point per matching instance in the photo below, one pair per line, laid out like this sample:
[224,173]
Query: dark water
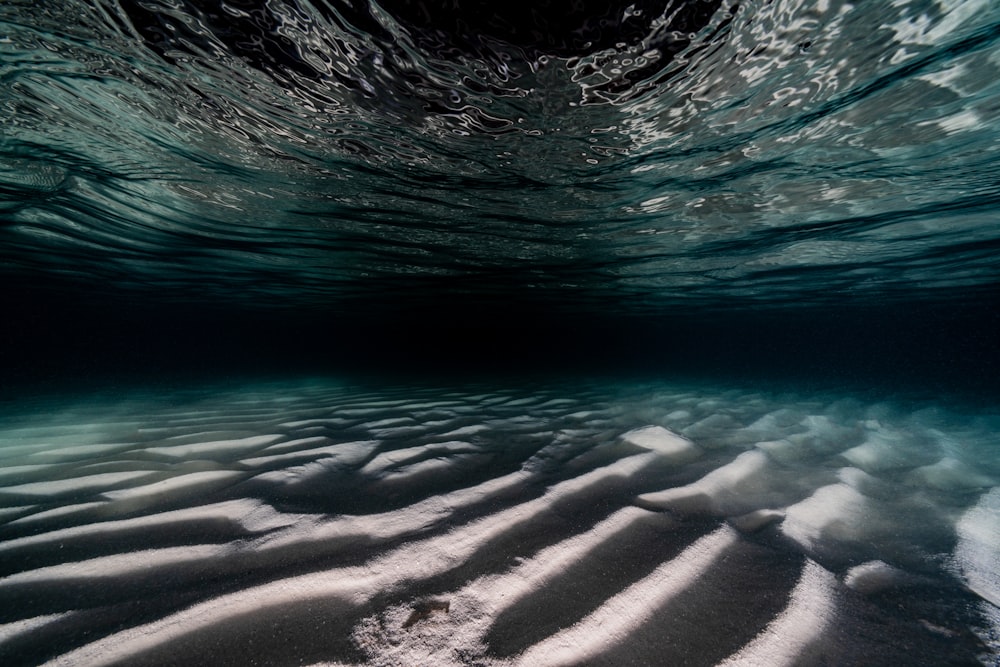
[231,178]
[239,238]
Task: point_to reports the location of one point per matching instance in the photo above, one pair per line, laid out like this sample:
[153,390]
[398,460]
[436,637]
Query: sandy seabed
[323,522]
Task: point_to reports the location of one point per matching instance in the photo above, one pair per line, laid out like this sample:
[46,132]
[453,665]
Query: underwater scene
[425,332]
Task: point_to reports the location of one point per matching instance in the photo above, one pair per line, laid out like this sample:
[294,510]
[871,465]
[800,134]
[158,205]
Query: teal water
[339,332]
[771,154]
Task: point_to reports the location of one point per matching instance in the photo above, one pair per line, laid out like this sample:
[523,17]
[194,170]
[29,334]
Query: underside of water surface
[344,332]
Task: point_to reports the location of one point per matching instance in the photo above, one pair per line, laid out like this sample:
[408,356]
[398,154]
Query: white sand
[344,454]
[612,622]
[98,482]
[744,459]
[213,448]
[786,640]
[977,553]
[179,486]
[662,441]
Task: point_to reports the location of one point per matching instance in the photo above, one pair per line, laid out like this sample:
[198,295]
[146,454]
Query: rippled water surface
[679,155]
[458,333]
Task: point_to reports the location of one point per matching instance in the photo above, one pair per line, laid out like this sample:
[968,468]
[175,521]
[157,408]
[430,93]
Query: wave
[691,155]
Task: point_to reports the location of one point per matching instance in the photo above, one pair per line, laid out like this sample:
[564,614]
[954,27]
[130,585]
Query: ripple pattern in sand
[319,523]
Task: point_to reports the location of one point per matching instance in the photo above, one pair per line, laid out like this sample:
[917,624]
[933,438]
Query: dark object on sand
[423,610]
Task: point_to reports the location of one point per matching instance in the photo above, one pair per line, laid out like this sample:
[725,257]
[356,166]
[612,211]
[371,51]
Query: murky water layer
[317,522]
